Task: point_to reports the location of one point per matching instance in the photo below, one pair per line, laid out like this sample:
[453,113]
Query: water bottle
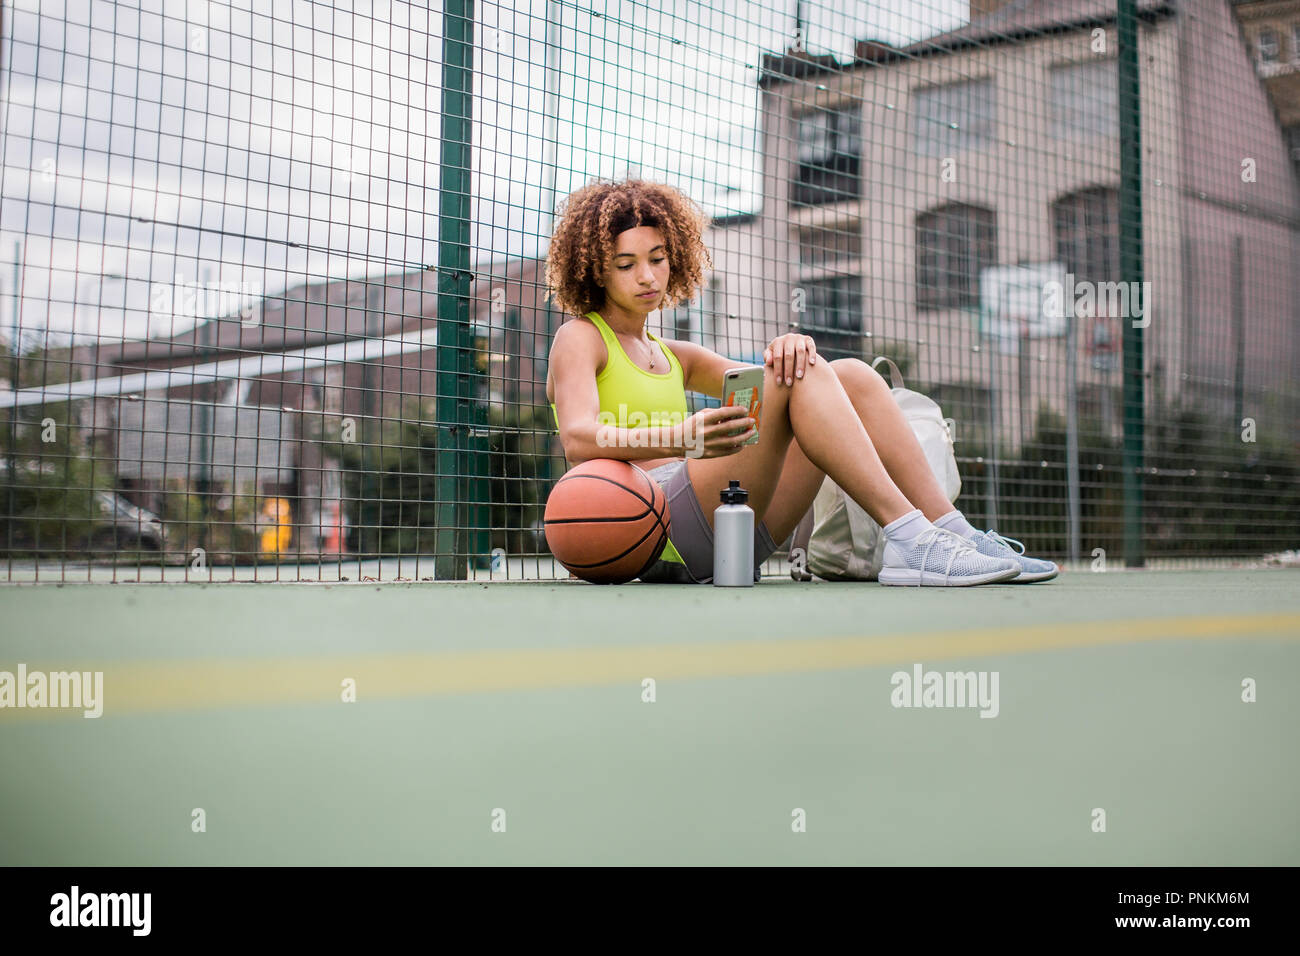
[733,539]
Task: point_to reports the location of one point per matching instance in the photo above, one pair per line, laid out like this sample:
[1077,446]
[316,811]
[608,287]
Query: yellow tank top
[631,397]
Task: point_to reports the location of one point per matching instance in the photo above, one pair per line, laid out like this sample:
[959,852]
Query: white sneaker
[941,558]
[994,545]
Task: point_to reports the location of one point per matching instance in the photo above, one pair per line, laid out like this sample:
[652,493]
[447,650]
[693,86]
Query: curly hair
[592,217]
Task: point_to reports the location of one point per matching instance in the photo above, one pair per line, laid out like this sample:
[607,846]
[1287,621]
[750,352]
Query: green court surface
[523,704]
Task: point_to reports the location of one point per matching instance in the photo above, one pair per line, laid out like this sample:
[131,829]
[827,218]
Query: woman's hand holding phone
[717,432]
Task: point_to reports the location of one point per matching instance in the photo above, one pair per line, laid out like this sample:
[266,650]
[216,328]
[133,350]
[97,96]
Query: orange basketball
[607,521]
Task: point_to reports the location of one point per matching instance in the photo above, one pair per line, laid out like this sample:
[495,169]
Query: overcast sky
[194,160]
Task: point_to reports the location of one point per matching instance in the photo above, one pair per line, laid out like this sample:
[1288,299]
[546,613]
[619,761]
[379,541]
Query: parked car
[125,527]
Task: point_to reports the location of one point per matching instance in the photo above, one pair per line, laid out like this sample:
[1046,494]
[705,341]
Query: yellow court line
[149,686]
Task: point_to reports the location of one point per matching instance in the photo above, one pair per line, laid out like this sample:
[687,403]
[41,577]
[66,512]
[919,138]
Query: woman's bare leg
[800,482]
[818,410]
[892,437]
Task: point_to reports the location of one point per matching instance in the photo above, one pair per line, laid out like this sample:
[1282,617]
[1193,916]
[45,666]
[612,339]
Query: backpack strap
[802,535]
[895,376]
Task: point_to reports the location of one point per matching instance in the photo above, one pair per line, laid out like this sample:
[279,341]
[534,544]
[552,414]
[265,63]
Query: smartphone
[744,386]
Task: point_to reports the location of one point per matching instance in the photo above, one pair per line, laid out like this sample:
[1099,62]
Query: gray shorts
[691,535]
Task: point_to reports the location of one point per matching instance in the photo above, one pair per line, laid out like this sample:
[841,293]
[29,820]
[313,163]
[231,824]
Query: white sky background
[139,146]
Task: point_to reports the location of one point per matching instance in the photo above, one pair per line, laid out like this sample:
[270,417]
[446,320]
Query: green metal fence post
[454,413]
[203,483]
[369,535]
[11,478]
[477,467]
[1238,332]
[1130,264]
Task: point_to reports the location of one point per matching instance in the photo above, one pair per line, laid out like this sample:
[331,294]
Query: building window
[510,366]
[1268,45]
[697,321]
[954,244]
[833,315]
[830,156]
[1295,42]
[1085,100]
[956,117]
[819,246]
[513,335]
[1086,227]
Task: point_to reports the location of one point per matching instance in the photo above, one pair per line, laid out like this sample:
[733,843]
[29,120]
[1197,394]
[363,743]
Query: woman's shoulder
[587,321]
[578,331]
[579,327]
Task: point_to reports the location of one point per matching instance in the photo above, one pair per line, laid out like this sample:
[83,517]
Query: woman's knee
[855,373]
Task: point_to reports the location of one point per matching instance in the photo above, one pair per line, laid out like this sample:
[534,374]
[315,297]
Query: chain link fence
[271,273]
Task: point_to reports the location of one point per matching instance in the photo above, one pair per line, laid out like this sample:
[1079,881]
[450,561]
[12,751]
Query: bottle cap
[733,494]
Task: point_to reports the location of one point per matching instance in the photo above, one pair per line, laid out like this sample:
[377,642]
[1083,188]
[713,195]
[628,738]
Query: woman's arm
[702,368]
[574,358]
